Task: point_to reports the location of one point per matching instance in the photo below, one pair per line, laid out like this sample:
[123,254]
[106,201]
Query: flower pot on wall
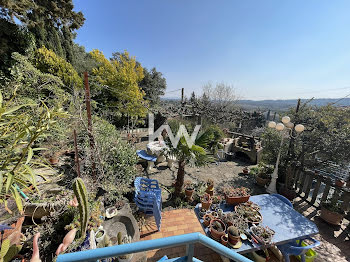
[330,217]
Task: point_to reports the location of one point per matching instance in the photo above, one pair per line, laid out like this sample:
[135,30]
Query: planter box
[330,217]
[236,200]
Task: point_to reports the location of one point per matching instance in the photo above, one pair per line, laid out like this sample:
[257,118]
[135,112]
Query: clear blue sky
[267,49]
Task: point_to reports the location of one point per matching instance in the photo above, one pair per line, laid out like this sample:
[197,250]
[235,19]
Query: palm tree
[195,155]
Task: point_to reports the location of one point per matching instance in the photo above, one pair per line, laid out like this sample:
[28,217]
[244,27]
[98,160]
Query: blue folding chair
[295,248]
[284,199]
[148,198]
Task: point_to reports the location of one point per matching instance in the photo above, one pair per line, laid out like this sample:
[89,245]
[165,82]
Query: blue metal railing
[186,239]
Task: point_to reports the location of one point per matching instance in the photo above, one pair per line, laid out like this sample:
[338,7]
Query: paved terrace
[177,222]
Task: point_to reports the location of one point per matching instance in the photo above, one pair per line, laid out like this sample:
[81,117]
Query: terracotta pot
[53,160]
[214,233]
[189,192]
[245,170]
[210,188]
[206,220]
[206,205]
[333,218]
[340,183]
[210,192]
[233,239]
[236,200]
[262,181]
[288,193]
[224,240]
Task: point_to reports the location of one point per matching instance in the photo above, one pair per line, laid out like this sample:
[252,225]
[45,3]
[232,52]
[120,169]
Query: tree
[51,22]
[195,155]
[219,104]
[153,84]
[121,77]
[13,38]
[48,62]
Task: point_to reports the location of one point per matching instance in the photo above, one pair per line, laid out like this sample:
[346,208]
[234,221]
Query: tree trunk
[180,178]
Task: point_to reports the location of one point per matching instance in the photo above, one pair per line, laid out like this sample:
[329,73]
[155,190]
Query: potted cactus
[206,201]
[210,187]
[233,235]
[217,229]
[125,240]
[189,189]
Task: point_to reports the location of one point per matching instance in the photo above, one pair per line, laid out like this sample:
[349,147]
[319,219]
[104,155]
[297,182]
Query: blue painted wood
[140,246]
[284,220]
[143,154]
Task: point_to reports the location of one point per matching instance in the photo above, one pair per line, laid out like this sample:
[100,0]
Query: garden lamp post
[286,127]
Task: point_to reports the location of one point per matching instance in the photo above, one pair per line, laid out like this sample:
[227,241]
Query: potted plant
[210,187]
[215,202]
[224,239]
[236,195]
[331,212]
[189,189]
[233,235]
[206,220]
[262,174]
[340,183]
[202,212]
[100,235]
[217,229]
[263,234]
[125,240]
[206,201]
[245,170]
[287,190]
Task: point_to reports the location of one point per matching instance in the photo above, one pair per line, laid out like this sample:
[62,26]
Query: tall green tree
[154,85]
[51,22]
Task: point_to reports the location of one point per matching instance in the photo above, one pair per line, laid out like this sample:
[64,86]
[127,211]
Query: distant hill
[280,104]
[286,104]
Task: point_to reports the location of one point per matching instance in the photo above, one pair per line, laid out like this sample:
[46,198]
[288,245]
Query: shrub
[115,160]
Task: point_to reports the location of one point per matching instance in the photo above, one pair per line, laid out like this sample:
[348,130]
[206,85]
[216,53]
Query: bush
[115,160]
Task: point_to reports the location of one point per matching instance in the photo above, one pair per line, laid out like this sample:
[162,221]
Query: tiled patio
[177,222]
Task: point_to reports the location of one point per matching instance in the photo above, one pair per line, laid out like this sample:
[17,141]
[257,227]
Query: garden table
[287,223]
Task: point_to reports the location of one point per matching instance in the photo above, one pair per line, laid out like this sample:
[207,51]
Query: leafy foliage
[18,133]
[153,84]
[13,38]
[121,78]
[116,160]
[48,62]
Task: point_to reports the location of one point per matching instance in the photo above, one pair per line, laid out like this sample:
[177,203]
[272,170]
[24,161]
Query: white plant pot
[99,239]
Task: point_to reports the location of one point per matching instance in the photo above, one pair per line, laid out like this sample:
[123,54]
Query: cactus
[8,251]
[120,241]
[81,194]
[233,231]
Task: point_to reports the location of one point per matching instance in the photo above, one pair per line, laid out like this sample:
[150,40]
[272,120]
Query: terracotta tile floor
[176,222]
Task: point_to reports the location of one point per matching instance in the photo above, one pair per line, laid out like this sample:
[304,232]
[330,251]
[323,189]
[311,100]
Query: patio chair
[284,199]
[148,198]
[297,248]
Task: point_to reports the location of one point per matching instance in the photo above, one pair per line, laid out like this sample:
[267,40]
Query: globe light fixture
[287,127]
[272,124]
[299,128]
[279,127]
[285,119]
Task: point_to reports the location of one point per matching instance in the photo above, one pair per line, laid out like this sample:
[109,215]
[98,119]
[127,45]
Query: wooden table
[287,223]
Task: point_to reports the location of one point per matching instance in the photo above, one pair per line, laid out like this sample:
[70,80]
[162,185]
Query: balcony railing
[187,239]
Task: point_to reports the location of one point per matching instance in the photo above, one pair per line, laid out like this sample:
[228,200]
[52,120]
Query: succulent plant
[232,230]
[81,194]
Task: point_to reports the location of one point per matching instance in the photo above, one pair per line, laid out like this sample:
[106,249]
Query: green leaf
[17,198]
[9,181]
[15,108]
[5,246]
[30,155]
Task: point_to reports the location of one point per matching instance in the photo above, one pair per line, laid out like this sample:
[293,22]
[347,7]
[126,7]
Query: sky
[265,49]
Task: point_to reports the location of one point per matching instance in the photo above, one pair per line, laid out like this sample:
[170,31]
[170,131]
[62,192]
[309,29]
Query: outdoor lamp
[272,124]
[279,127]
[287,127]
[285,119]
[299,128]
